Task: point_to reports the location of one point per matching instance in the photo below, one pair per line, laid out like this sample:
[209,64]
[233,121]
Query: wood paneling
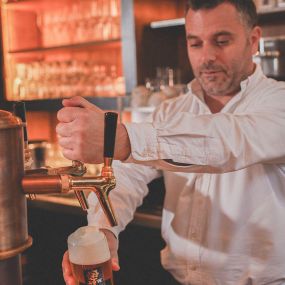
[146,11]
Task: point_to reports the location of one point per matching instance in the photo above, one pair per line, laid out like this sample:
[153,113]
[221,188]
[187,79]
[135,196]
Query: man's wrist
[123,145]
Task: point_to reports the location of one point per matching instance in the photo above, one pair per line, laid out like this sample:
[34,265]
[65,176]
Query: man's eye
[222,43]
[195,45]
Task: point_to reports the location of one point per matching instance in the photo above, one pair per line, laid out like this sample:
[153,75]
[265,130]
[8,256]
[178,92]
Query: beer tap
[19,110]
[15,181]
[76,169]
[65,179]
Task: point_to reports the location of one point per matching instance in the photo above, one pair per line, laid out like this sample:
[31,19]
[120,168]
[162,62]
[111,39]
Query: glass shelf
[168,23]
[177,22]
[39,5]
[68,46]
[105,103]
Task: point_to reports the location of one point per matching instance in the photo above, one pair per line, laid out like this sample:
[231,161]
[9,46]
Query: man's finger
[65,142]
[67,271]
[65,129]
[69,154]
[78,101]
[115,264]
[69,114]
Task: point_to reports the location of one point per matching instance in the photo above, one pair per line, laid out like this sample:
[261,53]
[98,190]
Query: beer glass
[90,258]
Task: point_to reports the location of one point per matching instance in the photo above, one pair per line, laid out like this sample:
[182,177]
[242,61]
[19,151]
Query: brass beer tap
[16,181]
[65,179]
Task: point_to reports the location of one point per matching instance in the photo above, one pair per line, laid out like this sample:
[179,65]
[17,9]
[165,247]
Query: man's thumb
[115,264]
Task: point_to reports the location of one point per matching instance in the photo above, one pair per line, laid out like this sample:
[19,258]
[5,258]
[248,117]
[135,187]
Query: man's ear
[254,38]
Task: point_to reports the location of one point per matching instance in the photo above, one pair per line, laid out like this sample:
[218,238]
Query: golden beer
[93,274]
[90,257]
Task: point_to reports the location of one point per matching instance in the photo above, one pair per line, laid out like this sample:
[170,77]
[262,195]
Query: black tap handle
[110,133]
[19,110]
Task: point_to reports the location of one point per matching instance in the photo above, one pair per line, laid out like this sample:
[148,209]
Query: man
[220,149]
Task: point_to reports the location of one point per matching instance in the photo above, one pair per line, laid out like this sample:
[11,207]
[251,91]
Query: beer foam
[87,246]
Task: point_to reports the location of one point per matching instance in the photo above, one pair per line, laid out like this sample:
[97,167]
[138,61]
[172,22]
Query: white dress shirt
[224,211]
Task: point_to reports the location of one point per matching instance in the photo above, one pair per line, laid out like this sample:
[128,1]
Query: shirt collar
[253,78]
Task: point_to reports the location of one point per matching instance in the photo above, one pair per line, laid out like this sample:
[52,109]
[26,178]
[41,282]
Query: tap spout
[101,186]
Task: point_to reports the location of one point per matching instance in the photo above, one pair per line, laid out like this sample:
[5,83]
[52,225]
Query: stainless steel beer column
[14,237]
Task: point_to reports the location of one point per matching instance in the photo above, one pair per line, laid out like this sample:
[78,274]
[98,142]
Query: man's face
[220,48]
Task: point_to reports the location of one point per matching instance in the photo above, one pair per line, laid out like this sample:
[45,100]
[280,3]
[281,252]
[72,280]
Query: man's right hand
[81,132]
[113,246]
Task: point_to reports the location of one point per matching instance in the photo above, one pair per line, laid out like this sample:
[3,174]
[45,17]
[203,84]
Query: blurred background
[123,55]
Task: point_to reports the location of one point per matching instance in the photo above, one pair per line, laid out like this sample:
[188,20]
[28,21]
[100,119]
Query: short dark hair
[246,8]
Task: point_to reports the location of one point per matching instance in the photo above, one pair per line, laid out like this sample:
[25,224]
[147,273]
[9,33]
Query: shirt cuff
[143,139]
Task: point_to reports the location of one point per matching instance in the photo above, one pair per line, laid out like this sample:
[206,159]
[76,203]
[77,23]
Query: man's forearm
[123,145]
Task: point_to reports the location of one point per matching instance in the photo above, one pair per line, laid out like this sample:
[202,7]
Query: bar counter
[68,204]
[52,217]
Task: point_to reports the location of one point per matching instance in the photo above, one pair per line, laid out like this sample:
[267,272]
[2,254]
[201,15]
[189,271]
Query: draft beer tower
[15,183]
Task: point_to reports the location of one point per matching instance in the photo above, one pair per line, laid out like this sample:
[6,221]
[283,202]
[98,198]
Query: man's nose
[209,53]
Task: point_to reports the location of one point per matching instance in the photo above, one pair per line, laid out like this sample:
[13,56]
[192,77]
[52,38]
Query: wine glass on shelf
[19,82]
[115,19]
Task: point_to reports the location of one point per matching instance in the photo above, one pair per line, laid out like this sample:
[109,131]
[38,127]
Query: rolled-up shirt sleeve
[213,143]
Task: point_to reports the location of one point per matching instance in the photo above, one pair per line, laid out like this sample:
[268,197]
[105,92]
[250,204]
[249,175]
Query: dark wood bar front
[53,217]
